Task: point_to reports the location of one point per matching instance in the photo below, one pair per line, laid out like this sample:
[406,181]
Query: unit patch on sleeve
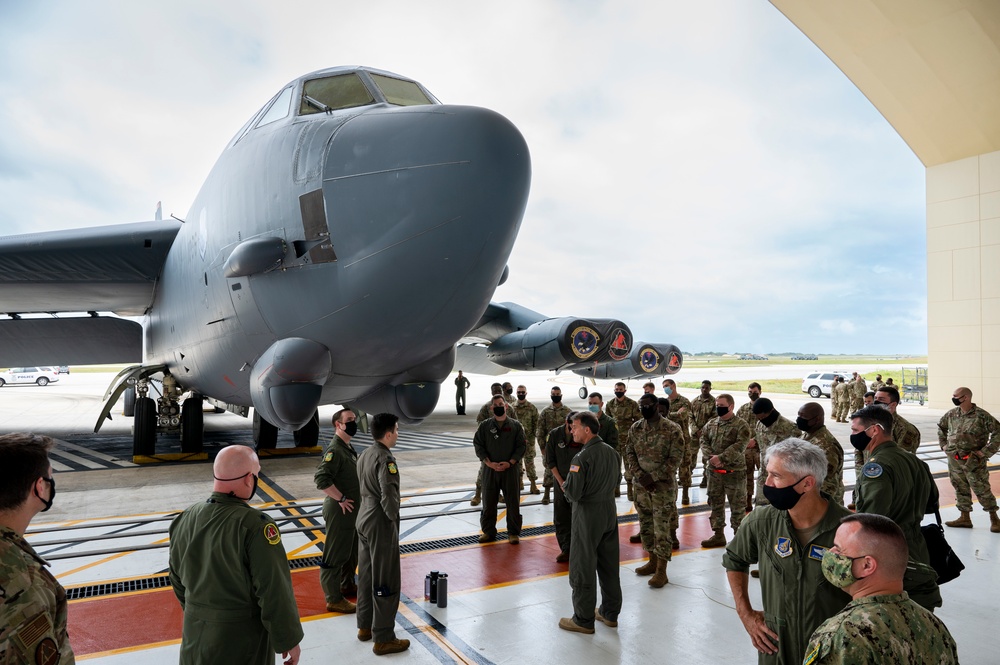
[328,457]
[392,468]
[272,534]
[573,468]
[872,470]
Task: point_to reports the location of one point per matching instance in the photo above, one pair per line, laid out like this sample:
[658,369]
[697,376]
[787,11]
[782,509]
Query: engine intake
[561,343]
[645,360]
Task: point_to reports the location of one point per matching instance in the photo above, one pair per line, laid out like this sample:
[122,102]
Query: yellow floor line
[434,635]
[115,652]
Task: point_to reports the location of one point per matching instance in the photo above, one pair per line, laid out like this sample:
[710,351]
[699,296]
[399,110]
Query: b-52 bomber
[350,235]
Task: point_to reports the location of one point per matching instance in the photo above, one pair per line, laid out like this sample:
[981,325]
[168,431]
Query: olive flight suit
[339,467]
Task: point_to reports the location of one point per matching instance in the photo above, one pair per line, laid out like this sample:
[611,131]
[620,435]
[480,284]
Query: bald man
[881,624]
[970,437]
[230,573]
[811,420]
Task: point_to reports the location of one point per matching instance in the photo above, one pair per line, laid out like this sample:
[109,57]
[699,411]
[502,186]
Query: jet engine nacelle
[558,343]
[286,383]
[645,360]
[412,402]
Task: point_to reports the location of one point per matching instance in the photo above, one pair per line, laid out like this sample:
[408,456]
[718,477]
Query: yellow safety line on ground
[115,652]
[434,635]
[305,521]
[104,560]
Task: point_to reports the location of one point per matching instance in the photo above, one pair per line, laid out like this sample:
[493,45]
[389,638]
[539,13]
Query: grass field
[790,384]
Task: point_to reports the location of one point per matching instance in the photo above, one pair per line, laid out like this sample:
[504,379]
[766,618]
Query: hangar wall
[963,279]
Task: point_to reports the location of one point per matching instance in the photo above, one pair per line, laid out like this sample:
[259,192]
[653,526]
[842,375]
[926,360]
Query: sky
[699,170]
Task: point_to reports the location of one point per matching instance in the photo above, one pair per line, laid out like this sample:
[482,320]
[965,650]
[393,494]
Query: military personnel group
[837,586]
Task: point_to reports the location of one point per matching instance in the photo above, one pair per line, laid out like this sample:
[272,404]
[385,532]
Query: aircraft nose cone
[415,168]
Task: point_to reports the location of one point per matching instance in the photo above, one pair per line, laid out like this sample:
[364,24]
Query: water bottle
[434,586]
[442,590]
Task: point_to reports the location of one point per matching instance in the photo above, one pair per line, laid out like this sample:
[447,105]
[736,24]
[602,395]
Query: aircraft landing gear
[308,435]
[144,422]
[192,424]
[265,435]
[583,392]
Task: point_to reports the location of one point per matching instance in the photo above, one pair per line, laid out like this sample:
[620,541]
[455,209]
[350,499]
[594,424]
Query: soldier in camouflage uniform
[771,428]
[858,390]
[810,420]
[752,454]
[881,624]
[970,436]
[551,417]
[723,442]
[841,396]
[625,411]
[876,384]
[680,413]
[655,448]
[249,579]
[702,410]
[33,609]
[527,414]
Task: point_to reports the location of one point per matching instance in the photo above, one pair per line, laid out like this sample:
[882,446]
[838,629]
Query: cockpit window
[279,109]
[399,92]
[332,93]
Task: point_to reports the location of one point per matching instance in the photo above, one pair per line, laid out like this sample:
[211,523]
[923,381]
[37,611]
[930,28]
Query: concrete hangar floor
[504,601]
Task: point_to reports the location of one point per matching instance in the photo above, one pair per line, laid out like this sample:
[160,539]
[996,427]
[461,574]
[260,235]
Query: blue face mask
[594,408]
[668,391]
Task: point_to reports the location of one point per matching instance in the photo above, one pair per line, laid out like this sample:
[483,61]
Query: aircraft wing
[103,268]
[98,269]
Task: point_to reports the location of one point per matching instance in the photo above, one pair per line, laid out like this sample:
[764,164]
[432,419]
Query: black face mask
[521,396]
[722,410]
[783,498]
[52,493]
[753,396]
[770,419]
[556,399]
[802,424]
[619,394]
[956,401]
[351,428]
[860,440]
[647,411]
[499,410]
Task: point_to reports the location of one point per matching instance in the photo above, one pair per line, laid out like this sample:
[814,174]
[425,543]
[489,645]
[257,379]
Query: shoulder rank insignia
[272,534]
[816,552]
[783,547]
[872,470]
[573,468]
[392,468]
[328,457]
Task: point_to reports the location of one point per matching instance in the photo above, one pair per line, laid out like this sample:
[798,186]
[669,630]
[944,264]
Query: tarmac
[505,601]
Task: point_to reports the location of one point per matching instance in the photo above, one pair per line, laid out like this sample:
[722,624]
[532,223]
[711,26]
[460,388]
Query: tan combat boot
[964,521]
[534,488]
[476,499]
[994,521]
[650,566]
[660,577]
[718,540]
[685,499]
[545,497]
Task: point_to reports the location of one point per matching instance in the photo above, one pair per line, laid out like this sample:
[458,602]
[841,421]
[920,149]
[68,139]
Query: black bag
[943,558]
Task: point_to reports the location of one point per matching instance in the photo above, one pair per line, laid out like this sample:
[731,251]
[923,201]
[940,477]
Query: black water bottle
[442,590]
[427,586]
[434,586]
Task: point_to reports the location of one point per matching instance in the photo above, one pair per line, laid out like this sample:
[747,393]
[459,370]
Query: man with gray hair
[881,624]
[788,538]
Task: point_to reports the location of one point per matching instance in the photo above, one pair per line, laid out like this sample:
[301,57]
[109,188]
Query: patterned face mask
[837,569]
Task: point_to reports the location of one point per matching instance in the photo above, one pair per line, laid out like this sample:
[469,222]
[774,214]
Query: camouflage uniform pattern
[834,483]
[858,389]
[32,606]
[656,449]
[752,455]
[626,413]
[841,396]
[727,439]
[677,404]
[888,628]
[527,414]
[702,410]
[780,429]
[875,385]
[551,417]
[962,434]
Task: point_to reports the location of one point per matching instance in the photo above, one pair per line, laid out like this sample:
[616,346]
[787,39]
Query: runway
[505,600]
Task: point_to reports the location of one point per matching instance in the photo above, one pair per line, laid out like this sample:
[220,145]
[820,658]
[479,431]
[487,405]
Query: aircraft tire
[144,427]
[192,425]
[128,409]
[583,392]
[308,435]
[265,435]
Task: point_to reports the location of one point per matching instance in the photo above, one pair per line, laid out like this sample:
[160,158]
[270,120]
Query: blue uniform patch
[816,552]
[872,470]
[783,547]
